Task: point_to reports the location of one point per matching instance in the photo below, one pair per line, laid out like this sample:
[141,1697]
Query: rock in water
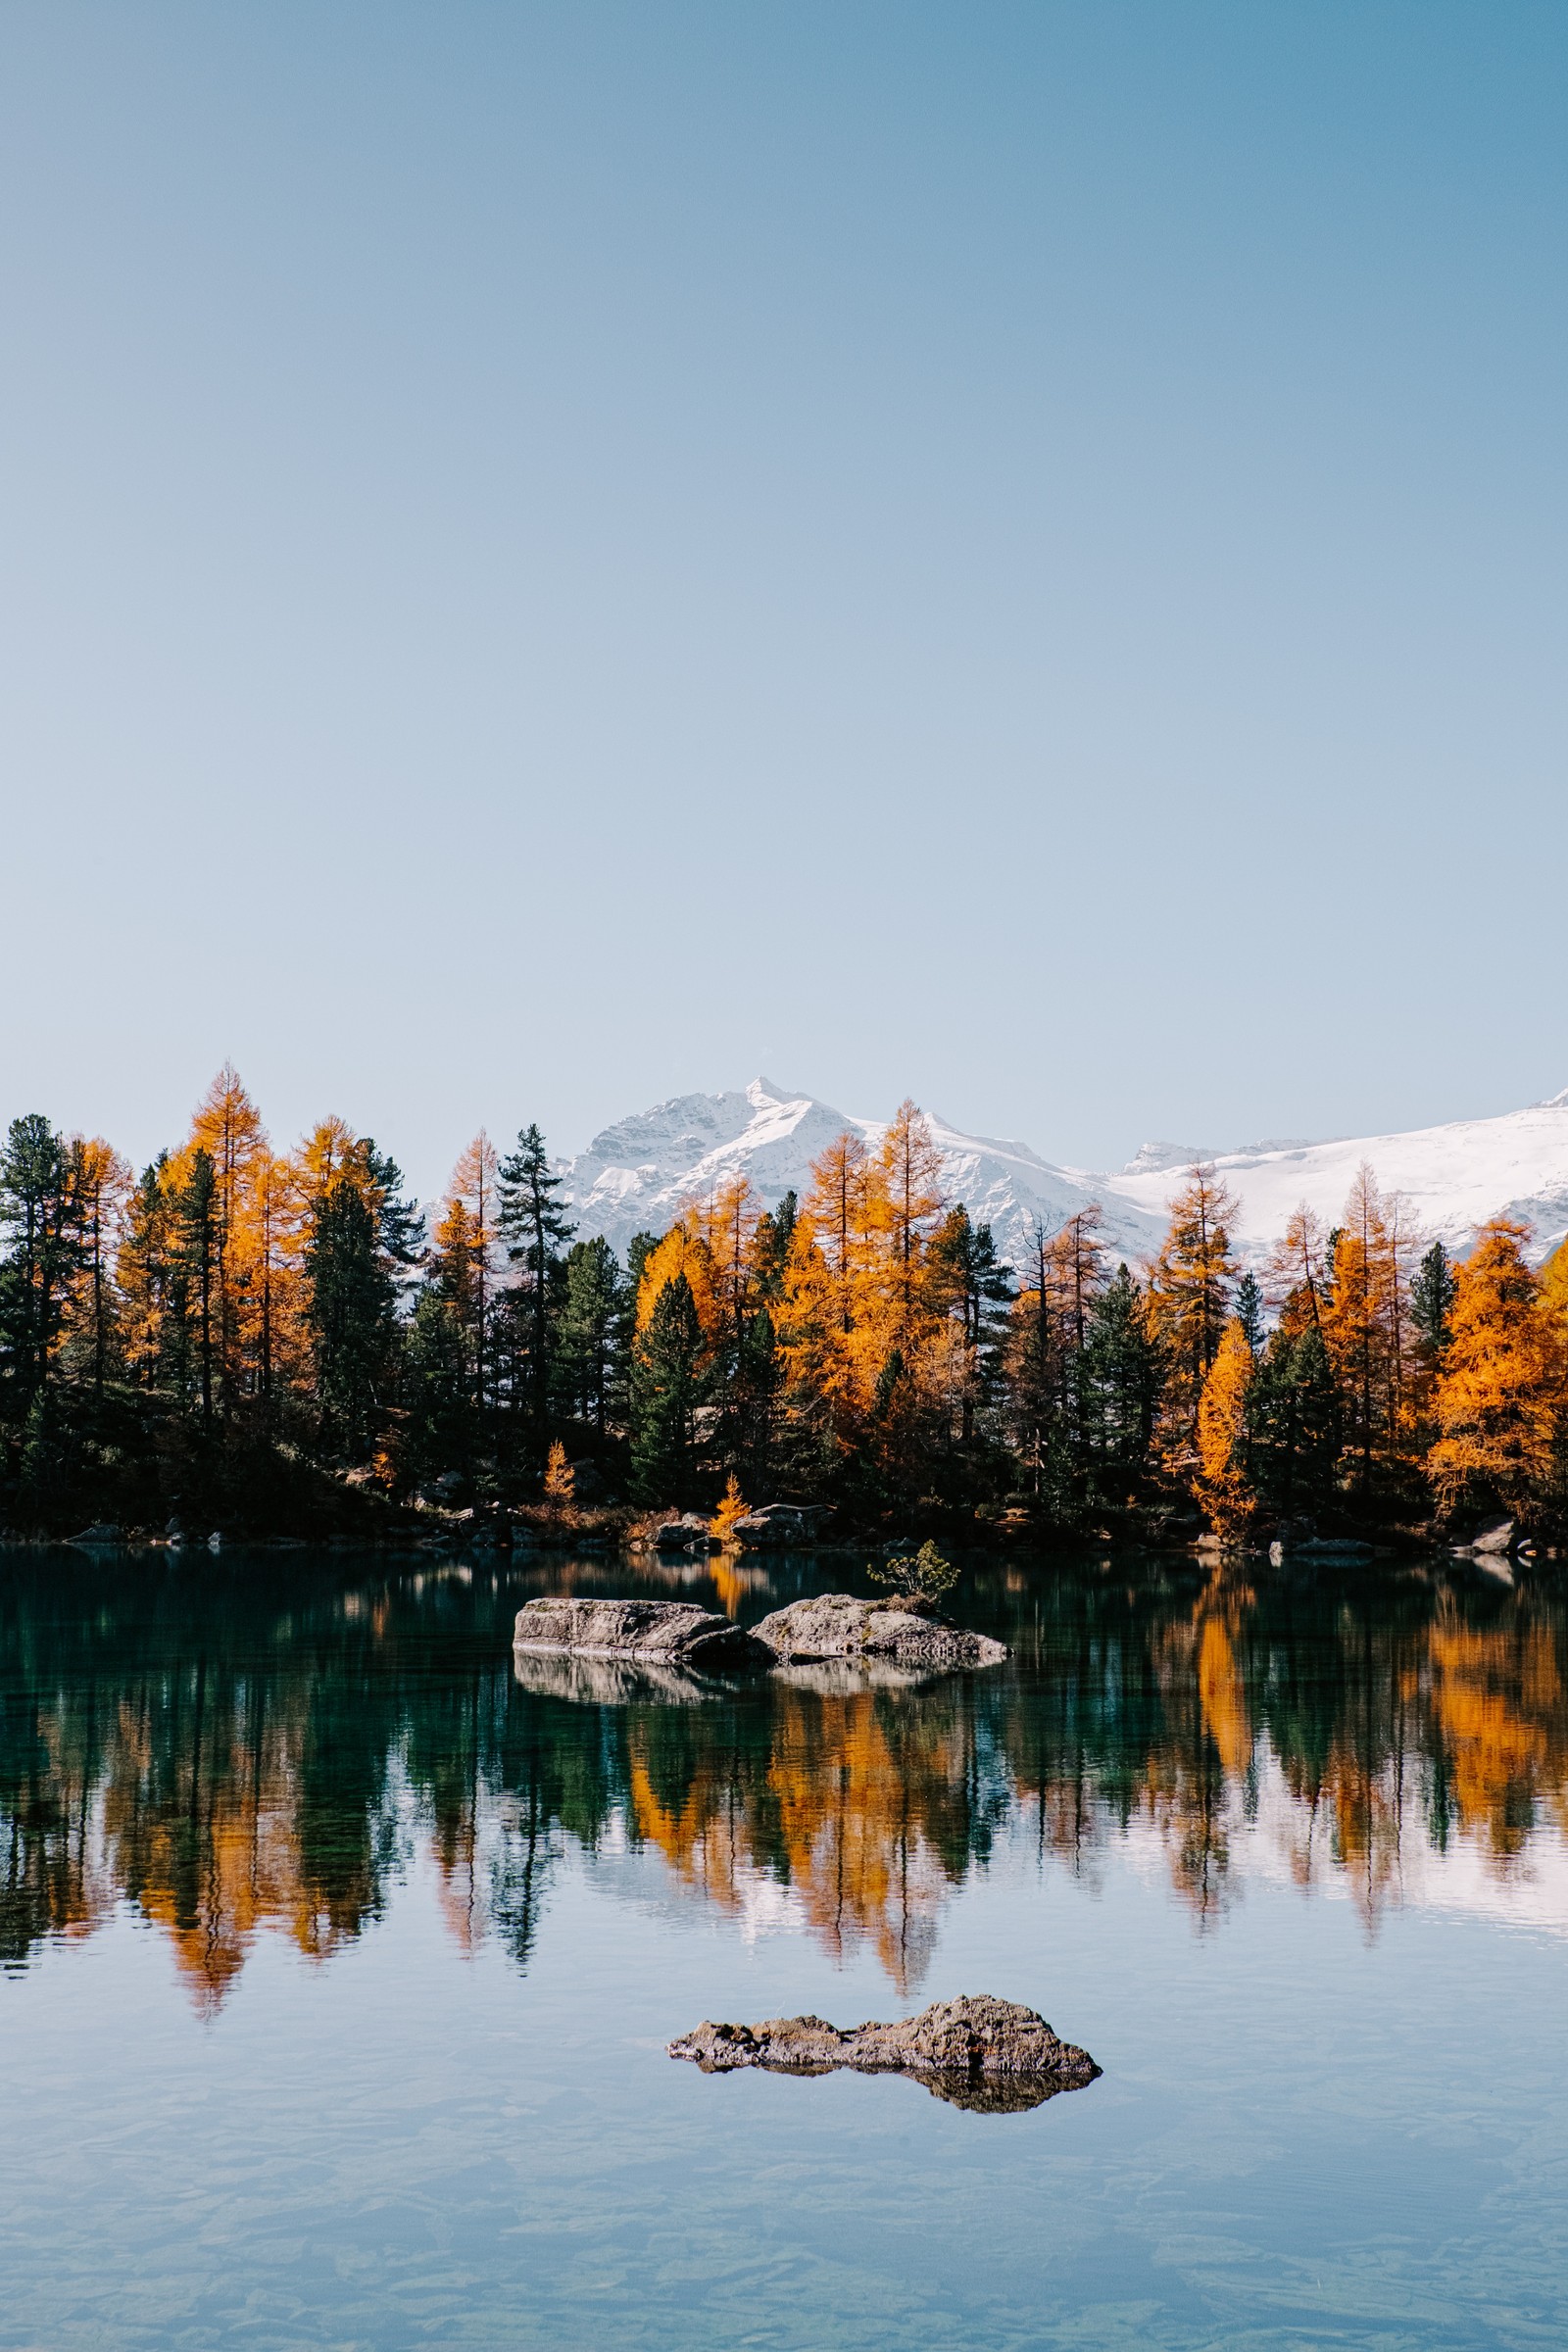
[682,1534]
[620,1681]
[983,2053]
[666,1632]
[835,1625]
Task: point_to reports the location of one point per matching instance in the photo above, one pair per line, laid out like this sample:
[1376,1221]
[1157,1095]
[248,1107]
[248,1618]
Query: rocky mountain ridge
[634,1176]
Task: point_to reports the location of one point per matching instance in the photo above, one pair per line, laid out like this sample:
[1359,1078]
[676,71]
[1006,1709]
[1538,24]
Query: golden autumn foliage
[1296,1280]
[1553,1280]
[864,1323]
[561,1479]
[1500,1393]
[732,1507]
[683,1250]
[1364,1321]
[1221,1481]
[1189,1290]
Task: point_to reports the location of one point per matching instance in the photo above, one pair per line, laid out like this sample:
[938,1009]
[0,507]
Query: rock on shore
[976,2052]
[666,1632]
[835,1625]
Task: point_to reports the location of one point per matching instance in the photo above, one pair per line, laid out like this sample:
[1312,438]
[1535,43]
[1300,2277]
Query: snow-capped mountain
[634,1176]
[1451,1179]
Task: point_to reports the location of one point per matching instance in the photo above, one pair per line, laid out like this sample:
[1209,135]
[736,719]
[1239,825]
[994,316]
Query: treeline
[233,1310]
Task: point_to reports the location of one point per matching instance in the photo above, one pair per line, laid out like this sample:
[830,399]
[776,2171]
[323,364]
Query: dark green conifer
[440,1425]
[591,1335]
[775,1230]
[40,1251]
[666,1388]
[1120,1373]
[1293,1424]
[972,1284]
[536,1229]
[351,1302]
[1247,1306]
[1432,1293]
[198,1216]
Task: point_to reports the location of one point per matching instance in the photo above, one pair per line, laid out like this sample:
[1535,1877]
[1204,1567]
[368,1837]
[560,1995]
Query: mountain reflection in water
[274,1743]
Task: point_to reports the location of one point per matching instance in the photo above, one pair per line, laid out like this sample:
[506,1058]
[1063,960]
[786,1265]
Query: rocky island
[660,1633]
[977,2052]
[831,1626]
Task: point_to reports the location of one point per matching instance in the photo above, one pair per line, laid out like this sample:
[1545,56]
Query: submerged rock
[975,2052]
[835,1625]
[667,1633]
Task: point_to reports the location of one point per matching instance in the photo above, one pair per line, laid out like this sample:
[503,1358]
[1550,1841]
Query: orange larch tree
[1189,1295]
[1295,1280]
[227,1126]
[1500,1393]
[1221,1484]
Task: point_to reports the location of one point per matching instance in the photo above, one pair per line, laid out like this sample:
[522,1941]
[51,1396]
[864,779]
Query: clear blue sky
[556,556]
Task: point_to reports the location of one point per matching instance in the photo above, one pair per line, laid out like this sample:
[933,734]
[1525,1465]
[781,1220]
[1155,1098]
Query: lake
[340,1965]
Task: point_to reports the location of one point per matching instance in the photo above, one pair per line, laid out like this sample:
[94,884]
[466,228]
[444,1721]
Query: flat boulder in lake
[977,2052]
[618,1682]
[835,1625]
[665,1633]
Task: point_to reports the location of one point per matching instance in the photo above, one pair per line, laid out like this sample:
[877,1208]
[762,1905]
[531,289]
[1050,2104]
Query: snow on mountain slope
[634,1176]
[1454,1178]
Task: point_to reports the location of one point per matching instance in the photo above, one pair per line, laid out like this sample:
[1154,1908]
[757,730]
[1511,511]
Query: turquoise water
[339,1967]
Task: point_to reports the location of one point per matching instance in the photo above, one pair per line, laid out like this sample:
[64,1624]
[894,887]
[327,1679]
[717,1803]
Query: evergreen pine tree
[972,1285]
[639,1250]
[1119,1375]
[771,1247]
[199,1213]
[40,1255]
[398,1221]
[440,1425]
[1036,1384]
[1248,1308]
[1294,1417]
[666,1388]
[1432,1296]
[591,1336]
[535,1229]
[351,1302]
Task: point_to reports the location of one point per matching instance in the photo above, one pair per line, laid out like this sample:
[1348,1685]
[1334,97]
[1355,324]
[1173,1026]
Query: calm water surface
[339,1966]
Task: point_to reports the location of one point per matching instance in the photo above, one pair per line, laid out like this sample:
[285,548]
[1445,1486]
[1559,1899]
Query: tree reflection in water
[274,1745]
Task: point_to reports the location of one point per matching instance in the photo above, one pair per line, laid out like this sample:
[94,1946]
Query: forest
[262,1343]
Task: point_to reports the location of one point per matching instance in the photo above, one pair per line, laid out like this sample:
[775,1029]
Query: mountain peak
[765,1093]
[1156,1159]
[636,1175]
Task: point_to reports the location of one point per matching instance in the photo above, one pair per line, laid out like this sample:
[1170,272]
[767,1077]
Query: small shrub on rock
[918,1582]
